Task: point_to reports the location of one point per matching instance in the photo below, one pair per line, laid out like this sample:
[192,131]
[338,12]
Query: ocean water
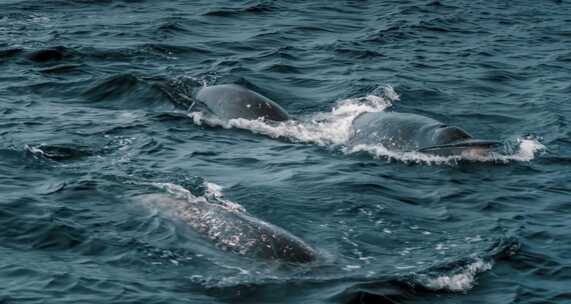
[102,153]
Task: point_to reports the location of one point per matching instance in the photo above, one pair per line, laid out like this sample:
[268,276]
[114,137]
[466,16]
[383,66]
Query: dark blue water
[95,98]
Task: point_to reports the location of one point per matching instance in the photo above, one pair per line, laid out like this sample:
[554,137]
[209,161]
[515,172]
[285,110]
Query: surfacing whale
[404,132]
[412,132]
[229,101]
[233,229]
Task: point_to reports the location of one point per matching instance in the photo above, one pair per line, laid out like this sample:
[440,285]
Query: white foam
[379,151]
[334,129]
[34,150]
[527,150]
[459,281]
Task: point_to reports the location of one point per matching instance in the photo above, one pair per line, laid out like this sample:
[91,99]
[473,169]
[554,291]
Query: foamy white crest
[34,150]
[527,149]
[459,281]
[335,129]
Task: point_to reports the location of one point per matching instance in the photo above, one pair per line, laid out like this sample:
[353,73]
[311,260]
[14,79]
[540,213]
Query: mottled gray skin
[412,132]
[233,229]
[229,101]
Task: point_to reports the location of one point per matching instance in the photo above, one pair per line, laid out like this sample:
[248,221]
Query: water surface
[95,99]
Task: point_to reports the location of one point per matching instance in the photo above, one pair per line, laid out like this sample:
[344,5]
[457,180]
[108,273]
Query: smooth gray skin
[229,101]
[234,230]
[412,132]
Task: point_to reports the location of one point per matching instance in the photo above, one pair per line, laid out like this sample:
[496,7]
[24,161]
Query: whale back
[230,101]
[395,131]
[412,132]
[233,230]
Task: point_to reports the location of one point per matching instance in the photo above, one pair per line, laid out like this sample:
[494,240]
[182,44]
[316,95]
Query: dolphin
[229,101]
[412,132]
[232,229]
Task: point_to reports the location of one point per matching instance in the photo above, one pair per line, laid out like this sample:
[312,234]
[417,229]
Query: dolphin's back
[229,101]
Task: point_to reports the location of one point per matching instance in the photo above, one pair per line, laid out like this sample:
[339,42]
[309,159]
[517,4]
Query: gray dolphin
[233,229]
[412,132]
[229,101]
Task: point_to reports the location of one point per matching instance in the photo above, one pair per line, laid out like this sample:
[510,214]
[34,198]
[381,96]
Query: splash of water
[462,280]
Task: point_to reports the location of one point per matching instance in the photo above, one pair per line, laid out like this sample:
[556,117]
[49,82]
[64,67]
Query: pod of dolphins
[404,132]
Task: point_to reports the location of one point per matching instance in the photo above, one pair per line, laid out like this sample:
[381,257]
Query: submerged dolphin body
[229,101]
[412,132]
[233,229]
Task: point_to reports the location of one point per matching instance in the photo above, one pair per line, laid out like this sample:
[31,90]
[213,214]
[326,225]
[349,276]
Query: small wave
[128,90]
[60,152]
[155,50]
[16,156]
[64,4]
[460,276]
[27,224]
[56,236]
[69,55]
[172,26]
[62,69]
[11,52]
[112,87]
[171,51]
[51,54]
[257,9]
[283,69]
[334,129]
[461,280]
